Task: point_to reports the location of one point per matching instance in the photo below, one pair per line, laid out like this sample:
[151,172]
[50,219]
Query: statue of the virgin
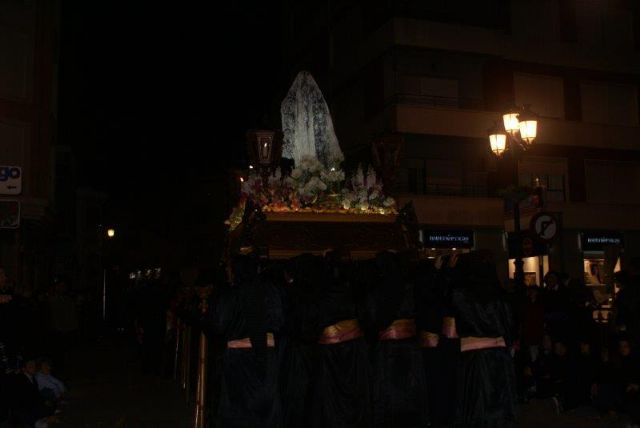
[307,125]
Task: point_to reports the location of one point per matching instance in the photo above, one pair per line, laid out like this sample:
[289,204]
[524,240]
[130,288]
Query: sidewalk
[541,413]
[107,390]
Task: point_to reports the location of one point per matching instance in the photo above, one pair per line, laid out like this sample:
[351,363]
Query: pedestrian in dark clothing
[541,367]
[606,393]
[627,304]
[562,375]
[532,326]
[28,407]
[152,303]
[585,373]
[629,367]
[556,301]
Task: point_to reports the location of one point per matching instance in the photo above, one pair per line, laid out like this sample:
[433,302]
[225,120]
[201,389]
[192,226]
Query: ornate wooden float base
[286,235]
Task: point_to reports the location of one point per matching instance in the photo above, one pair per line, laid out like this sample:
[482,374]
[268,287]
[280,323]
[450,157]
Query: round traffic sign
[544,226]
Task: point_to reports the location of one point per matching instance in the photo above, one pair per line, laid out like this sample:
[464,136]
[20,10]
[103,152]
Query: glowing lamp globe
[497,140]
[528,124]
[511,121]
[498,143]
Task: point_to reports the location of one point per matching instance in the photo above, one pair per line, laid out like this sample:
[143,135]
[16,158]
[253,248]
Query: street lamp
[110,233]
[519,132]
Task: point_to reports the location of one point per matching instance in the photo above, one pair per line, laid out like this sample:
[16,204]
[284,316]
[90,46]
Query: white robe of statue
[307,125]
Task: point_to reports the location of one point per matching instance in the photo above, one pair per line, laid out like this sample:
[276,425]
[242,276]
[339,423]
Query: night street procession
[320,214]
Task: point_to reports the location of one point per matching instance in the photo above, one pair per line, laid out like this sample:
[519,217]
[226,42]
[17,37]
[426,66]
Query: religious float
[296,197]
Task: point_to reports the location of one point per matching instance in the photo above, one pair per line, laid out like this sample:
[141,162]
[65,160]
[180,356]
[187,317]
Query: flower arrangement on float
[313,187]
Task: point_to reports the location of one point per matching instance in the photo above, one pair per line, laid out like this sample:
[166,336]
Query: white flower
[389,202]
[275,178]
[363,205]
[332,176]
[372,178]
[296,173]
[346,204]
[358,178]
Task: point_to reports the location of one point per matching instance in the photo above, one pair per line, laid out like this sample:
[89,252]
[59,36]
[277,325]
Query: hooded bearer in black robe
[483,321]
[398,381]
[304,275]
[341,388]
[249,316]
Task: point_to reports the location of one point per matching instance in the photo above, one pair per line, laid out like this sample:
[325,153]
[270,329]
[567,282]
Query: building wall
[28,37]
[440,73]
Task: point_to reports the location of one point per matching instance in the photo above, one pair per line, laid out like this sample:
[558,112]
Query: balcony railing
[479,191]
[438,101]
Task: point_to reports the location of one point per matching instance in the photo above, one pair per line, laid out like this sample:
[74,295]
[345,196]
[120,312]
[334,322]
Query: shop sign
[9,214]
[528,244]
[447,238]
[544,226]
[10,180]
[597,241]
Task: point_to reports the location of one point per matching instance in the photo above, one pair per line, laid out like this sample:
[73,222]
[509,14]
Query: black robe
[300,340]
[486,385]
[249,383]
[440,363]
[341,396]
[398,378]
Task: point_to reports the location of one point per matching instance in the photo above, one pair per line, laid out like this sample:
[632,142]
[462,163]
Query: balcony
[412,117]
[438,101]
[456,211]
[436,35]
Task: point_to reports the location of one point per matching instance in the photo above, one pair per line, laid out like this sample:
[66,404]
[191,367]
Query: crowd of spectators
[566,355]
[36,332]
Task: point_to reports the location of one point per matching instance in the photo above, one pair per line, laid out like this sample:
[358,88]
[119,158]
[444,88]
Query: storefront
[601,252]
[442,242]
[535,257]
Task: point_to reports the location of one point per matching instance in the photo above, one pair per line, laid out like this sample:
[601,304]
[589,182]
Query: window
[443,177]
[612,182]
[537,20]
[545,94]
[553,185]
[430,90]
[602,25]
[614,104]
[550,173]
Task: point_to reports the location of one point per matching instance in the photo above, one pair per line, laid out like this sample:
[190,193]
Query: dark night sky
[149,91]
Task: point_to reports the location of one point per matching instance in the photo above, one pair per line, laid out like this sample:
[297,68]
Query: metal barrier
[183,369]
[201,390]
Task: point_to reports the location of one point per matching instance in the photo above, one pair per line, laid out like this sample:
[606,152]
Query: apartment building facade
[28,72]
[438,74]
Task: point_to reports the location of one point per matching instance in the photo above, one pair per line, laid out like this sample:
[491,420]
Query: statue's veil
[307,125]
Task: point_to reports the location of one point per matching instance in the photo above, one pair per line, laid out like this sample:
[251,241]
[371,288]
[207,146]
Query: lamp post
[510,139]
[110,234]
